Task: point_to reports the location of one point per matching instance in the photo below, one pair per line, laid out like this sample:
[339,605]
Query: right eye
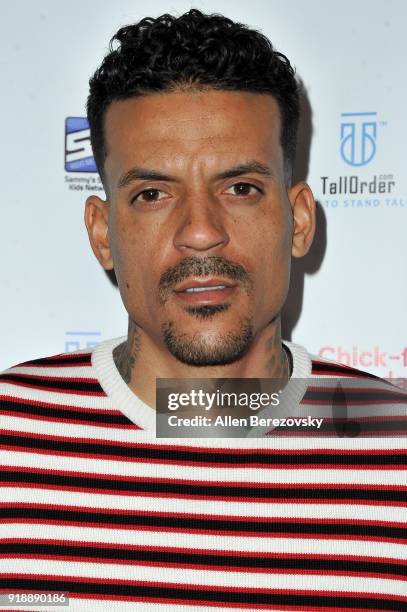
[149,195]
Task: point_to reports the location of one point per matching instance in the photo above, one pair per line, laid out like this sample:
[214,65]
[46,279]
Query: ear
[303,207]
[96,221]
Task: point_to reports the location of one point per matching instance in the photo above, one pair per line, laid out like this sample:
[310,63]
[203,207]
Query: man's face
[200,224]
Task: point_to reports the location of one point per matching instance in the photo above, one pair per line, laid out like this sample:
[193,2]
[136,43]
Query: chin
[208,347]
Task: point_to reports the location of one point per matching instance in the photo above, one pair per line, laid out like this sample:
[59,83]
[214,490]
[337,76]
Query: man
[193,125]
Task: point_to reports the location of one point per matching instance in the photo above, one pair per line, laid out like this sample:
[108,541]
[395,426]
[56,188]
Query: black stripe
[336,367]
[204,489]
[203,558]
[354,396]
[209,524]
[52,383]
[167,592]
[64,413]
[61,361]
[350,426]
[201,456]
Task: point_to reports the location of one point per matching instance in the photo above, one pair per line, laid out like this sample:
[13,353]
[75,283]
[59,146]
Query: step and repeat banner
[348,297]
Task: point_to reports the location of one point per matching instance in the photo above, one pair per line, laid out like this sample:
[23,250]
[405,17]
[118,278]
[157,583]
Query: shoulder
[326,367]
[57,398]
[307,365]
[56,374]
[330,377]
[358,403]
[328,372]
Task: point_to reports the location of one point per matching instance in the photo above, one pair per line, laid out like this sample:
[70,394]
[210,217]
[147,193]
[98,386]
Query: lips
[205,291]
[201,285]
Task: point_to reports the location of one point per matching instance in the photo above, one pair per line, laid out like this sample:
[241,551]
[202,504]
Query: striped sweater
[94,505]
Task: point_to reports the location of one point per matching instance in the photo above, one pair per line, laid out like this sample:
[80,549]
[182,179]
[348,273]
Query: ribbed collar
[140,413]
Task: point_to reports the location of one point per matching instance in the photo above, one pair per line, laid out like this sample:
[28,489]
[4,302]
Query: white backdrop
[349,297]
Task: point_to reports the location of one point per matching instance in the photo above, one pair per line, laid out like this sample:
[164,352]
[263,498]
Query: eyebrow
[148,174]
[249,167]
[142,174]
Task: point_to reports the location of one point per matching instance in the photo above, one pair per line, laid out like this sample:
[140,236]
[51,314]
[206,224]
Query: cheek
[272,248]
[127,246]
[270,239]
[138,250]
[277,253]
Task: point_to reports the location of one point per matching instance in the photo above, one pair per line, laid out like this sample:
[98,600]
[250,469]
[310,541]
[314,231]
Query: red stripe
[362,390]
[36,417]
[333,435]
[100,393]
[203,566]
[33,377]
[190,515]
[342,366]
[202,587]
[77,364]
[352,402]
[218,532]
[367,419]
[204,551]
[188,529]
[40,403]
[224,451]
[203,483]
[60,356]
[333,594]
[280,500]
[27,364]
[209,452]
[300,466]
[334,373]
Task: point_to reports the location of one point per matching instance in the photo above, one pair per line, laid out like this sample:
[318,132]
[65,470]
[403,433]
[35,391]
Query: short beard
[195,351]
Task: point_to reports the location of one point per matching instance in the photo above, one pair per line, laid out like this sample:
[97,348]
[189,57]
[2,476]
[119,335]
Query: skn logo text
[78,150]
[358,134]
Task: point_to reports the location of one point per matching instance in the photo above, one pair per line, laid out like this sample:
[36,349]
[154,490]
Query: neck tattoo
[288,360]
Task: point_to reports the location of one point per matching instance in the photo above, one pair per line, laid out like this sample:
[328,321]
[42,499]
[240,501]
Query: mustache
[213,265]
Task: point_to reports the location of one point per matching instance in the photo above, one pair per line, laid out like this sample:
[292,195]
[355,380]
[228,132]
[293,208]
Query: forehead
[170,128]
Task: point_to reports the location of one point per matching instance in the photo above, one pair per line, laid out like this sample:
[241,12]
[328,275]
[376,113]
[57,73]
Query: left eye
[149,195]
[243,189]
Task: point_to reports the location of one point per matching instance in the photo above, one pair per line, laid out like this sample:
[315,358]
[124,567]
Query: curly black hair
[195,50]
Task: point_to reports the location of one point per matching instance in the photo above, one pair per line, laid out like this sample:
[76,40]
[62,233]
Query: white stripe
[315,410]
[211,474]
[77,604]
[67,429]
[56,371]
[218,578]
[64,399]
[109,433]
[210,508]
[203,542]
[93,605]
[322,444]
[88,605]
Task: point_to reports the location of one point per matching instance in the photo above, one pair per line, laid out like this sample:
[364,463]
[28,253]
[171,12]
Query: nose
[201,226]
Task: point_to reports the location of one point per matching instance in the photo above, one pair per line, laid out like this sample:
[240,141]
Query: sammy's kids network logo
[78,149]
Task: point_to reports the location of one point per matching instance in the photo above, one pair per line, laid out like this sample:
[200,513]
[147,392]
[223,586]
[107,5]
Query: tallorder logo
[369,186]
[78,149]
[358,138]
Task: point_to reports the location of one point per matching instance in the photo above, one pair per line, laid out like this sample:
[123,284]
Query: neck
[140,362]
